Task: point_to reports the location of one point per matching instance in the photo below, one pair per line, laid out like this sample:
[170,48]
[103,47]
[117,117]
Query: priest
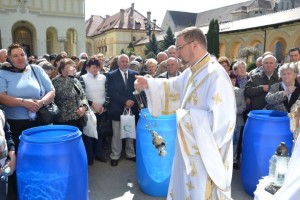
[204,102]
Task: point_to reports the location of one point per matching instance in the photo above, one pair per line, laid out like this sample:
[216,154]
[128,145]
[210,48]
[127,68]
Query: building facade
[277,32]
[112,34]
[43,26]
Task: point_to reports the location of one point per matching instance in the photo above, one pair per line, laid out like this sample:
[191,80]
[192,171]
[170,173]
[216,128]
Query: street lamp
[149,26]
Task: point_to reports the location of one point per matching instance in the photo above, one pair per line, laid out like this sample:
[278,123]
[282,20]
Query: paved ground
[120,183]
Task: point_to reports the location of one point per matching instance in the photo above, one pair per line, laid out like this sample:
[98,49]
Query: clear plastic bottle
[281,169]
[282,162]
[272,167]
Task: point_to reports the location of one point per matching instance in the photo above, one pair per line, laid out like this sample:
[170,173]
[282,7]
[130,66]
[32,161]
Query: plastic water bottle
[281,169]
[5,174]
[32,115]
[272,167]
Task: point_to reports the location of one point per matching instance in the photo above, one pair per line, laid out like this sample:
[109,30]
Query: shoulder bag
[48,113]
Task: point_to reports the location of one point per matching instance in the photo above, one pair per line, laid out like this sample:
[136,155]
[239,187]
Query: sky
[157,8]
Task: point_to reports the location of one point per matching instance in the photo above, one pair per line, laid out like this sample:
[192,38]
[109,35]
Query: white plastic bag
[127,124]
[3,143]
[91,126]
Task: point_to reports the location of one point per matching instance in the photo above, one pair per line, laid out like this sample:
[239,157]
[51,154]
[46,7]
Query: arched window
[278,51]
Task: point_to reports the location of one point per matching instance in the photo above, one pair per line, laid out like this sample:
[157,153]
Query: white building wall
[73,18]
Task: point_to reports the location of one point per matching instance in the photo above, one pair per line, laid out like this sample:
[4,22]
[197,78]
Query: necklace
[157,140]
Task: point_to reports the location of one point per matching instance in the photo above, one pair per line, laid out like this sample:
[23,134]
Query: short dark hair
[91,62]
[294,49]
[232,75]
[57,58]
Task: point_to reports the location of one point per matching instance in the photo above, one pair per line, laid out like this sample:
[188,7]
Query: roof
[125,19]
[261,21]
[183,18]
[260,5]
[272,19]
[222,14]
[92,23]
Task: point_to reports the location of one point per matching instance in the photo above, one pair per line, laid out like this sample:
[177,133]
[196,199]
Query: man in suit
[120,90]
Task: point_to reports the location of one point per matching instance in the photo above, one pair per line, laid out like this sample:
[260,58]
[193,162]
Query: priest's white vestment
[204,102]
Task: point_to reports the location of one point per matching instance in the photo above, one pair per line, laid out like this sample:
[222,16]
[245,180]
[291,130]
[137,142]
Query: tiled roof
[183,18]
[222,14]
[263,20]
[92,23]
[132,20]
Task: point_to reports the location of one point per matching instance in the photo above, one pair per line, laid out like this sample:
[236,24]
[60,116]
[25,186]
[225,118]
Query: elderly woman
[241,73]
[70,97]
[22,94]
[151,65]
[284,94]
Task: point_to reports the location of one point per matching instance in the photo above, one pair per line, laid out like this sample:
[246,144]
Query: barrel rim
[27,134]
[161,117]
[265,115]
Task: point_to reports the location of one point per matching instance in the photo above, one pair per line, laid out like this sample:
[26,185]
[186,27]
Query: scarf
[9,66]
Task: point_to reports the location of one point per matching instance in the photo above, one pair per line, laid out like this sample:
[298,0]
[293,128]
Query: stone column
[62,41]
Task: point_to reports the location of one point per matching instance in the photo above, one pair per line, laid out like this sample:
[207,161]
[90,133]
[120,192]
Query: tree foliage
[130,46]
[251,66]
[169,38]
[129,51]
[151,55]
[213,38]
[152,45]
[247,52]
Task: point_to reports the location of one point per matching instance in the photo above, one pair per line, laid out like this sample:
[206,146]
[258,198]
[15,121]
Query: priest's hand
[140,83]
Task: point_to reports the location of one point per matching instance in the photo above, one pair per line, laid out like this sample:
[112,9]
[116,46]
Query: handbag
[90,129]
[48,113]
[104,125]
[127,124]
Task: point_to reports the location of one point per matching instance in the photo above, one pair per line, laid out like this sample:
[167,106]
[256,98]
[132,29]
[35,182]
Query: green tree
[129,51]
[213,38]
[151,55]
[169,38]
[251,66]
[130,46]
[152,45]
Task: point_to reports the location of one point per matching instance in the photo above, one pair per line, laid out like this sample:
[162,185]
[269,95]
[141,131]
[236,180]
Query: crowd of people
[106,86]
[268,86]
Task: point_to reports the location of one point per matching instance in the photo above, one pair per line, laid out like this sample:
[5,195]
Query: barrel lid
[50,134]
[273,115]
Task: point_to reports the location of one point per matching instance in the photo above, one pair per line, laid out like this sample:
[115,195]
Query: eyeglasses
[179,48]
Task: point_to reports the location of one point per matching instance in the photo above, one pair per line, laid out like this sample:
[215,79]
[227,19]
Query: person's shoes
[114,163]
[236,166]
[101,159]
[90,161]
[131,159]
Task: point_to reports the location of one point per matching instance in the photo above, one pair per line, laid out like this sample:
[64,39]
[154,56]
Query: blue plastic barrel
[154,171]
[52,164]
[263,132]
